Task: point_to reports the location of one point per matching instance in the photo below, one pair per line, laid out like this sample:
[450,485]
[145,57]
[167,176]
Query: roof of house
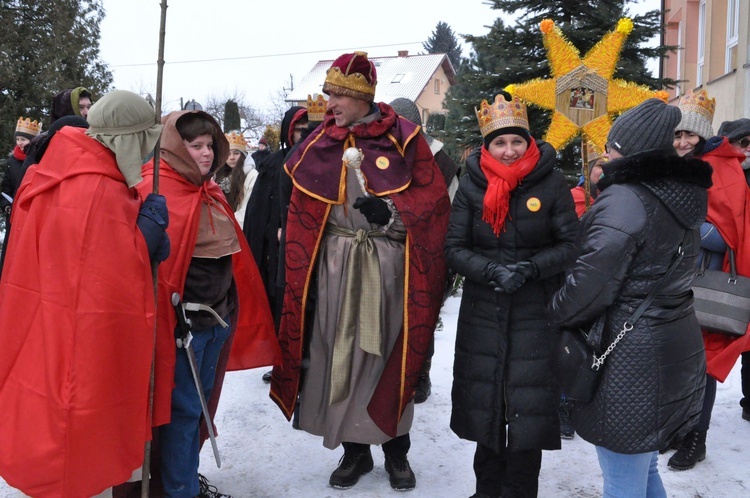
[398,76]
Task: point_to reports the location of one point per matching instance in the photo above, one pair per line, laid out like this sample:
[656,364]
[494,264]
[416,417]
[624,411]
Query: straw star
[582,93]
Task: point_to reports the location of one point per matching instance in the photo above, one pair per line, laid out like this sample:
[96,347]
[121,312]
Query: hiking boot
[565,412]
[692,451]
[401,476]
[424,388]
[351,467]
[267,377]
[746,414]
[207,490]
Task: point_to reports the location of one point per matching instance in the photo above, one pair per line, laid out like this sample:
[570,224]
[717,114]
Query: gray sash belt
[361,305]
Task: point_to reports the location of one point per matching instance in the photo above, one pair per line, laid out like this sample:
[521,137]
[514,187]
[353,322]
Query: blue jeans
[630,476]
[179,440]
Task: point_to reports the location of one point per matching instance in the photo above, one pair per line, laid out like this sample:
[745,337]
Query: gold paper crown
[26,125]
[354,84]
[501,114]
[316,107]
[698,102]
[236,141]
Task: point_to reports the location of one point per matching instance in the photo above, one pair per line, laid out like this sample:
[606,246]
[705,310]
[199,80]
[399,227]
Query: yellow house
[713,54]
[424,79]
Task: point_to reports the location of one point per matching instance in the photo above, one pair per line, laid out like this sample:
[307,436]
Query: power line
[267,55]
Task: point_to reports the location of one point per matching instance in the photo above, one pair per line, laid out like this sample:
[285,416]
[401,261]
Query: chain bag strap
[628,325]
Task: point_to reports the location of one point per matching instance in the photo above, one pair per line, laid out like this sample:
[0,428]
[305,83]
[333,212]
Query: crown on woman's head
[237,141]
[316,107]
[698,102]
[27,126]
[501,114]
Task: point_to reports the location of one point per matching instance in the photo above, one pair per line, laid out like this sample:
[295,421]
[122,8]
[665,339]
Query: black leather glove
[374,208]
[503,279]
[526,268]
[153,220]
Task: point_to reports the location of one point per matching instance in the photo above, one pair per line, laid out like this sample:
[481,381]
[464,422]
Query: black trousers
[398,446]
[745,372]
[510,474]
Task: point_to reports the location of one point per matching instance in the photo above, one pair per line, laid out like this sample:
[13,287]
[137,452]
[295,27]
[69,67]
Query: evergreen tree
[47,47]
[515,54]
[443,41]
[231,116]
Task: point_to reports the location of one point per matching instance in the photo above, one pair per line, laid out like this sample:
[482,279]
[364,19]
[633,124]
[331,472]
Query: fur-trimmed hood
[680,183]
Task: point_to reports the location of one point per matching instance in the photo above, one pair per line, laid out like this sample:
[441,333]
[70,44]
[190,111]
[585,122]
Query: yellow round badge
[382,162]
[534,204]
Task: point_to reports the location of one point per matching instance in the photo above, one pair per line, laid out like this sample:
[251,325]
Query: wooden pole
[146,469]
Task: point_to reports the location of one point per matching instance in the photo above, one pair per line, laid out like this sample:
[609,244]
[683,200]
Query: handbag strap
[627,326]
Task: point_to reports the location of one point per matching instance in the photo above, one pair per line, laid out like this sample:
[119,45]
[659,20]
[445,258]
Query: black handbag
[575,361]
[722,300]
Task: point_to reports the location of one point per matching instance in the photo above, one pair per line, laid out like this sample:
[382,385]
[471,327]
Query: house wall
[432,97]
[728,85]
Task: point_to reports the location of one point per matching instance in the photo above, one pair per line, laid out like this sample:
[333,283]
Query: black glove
[374,208]
[526,268]
[503,279]
[153,220]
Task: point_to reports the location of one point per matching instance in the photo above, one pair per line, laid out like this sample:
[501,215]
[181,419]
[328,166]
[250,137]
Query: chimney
[403,53]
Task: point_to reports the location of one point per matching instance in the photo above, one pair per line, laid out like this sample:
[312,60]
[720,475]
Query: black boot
[692,451]
[401,476]
[356,462]
[424,388]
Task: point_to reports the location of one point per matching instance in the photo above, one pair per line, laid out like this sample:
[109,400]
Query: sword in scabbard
[183,339]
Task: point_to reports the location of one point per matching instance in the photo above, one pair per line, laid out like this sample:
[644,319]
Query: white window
[398,78]
[733,28]
[680,49]
[701,41]
[436,86]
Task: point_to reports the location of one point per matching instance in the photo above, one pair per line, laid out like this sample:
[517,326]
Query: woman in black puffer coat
[512,243]
[652,385]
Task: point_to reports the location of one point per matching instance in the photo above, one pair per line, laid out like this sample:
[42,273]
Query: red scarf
[18,153]
[501,181]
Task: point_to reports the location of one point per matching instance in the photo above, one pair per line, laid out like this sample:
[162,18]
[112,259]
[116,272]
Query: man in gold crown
[512,234]
[364,255]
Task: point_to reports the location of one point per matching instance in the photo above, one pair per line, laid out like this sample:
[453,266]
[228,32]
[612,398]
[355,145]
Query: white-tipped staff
[353,159]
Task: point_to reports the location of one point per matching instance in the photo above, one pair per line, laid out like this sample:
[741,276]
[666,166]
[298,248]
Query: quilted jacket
[653,381]
[501,370]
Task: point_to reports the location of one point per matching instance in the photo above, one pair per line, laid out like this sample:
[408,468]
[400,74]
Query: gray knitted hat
[649,126]
[406,108]
[697,113]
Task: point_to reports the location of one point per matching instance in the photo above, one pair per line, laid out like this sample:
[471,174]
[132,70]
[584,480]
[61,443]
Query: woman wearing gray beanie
[652,383]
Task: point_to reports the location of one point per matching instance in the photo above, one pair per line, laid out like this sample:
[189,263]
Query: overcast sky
[249,48]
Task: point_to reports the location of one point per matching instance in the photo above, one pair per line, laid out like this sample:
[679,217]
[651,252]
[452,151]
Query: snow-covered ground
[262,456]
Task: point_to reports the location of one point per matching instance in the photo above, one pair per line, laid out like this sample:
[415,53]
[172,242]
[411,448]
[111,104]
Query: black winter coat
[652,384]
[501,371]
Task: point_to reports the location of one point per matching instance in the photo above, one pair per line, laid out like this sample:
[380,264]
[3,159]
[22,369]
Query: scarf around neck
[501,181]
[19,153]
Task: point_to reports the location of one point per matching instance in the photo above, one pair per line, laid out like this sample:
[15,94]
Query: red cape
[729,211]
[76,326]
[253,341]
[579,197]
[424,207]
